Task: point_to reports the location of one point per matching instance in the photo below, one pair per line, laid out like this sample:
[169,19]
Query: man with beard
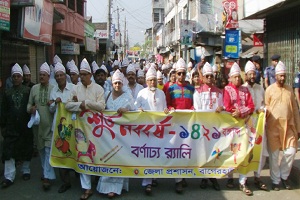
[238,101]
[87,95]
[39,102]
[18,138]
[257,93]
[27,77]
[180,96]
[100,78]
[283,128]
[133,87]
[60,94]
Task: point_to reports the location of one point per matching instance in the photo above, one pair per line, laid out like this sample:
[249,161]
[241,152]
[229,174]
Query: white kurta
[258,94]
[153,101]
[93,95]
[115,184]
[134,90]
[207,98]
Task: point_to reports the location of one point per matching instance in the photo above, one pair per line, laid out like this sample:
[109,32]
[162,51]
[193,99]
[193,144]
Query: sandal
[230,183]
[260,185]
[111,195]
[246,190]
[148,189]
[87,194]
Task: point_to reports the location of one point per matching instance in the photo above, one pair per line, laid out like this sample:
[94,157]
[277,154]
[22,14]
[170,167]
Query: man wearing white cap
[39,101]
[95,67]
[74,73]
[282,127]
[18,138]
[180,96]
[189,69]
[238,101]
[257,93]
[208,98]
[151,99]
[87,95]
[165,71]
[100,79]
[27,77]
[115,66]
[141,78]
[133,87]
[60,94]
[160,82]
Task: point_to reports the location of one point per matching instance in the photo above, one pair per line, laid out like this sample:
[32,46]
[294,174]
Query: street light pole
[108,32]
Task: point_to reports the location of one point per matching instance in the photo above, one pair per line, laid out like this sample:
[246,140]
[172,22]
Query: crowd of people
[145,86]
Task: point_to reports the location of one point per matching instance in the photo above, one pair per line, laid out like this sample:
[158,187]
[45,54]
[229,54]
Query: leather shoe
[215,183]
[286,184]
[46,184]
[64,187]
[26,177]
[178,187]
[6,183]
[275,187]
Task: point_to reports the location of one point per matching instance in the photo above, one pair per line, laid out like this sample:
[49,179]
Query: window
[71,4]
[156,17]
[80,6]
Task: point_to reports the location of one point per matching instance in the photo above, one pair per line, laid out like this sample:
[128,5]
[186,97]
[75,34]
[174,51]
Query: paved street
[32,189]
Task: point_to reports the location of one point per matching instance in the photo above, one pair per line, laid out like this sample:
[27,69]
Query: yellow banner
[152,144]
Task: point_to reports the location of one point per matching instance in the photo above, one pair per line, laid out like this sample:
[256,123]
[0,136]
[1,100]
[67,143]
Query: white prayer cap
[190,64]
[85,66]
[125,63]
[140,73]
[215,68]
[249,67]
[59,68]
[68,65]
[151,73]
[73,68]
[45,68]
[235,69]
[56,59]
[159,74]
[153,65]
[174,66]
[130,68]
[117,76]
[16,69]
[147,66]
[95,66]
[116,63]
[280,68]
[164,66]
[26,69]
[104,68]
[207,69]
[180,65]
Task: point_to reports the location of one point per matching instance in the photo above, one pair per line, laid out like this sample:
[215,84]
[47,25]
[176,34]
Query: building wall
[283,37]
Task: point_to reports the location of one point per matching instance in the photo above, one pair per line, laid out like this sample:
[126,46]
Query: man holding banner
[283,128]
[151,99]
[87,95]
[238,101]
[180,96]
[208,98]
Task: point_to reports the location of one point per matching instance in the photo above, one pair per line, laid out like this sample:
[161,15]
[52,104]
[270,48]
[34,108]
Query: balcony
[171,38]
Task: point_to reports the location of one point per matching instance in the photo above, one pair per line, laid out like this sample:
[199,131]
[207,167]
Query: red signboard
[258,39]
[4,10]
[230,14]
[38,21]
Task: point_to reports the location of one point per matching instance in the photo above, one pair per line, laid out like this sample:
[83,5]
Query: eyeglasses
[209,76]
[181,73]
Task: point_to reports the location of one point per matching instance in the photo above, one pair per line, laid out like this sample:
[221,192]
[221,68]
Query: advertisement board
[232,44]
[230,14]
[38,22]
[5,15]
[69,48]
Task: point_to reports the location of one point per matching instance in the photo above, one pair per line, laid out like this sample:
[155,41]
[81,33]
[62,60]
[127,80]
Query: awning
[253,51]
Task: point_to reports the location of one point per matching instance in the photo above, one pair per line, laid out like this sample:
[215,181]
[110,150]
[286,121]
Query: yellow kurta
[282,123]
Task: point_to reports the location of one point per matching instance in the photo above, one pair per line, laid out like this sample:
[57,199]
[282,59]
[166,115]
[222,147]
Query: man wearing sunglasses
[180,96]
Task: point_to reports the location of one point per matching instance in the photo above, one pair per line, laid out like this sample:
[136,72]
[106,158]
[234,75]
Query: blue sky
[137,12]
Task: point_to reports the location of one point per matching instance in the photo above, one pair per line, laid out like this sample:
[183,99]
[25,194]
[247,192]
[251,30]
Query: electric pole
[108,32]
[187,21]
[125,40]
